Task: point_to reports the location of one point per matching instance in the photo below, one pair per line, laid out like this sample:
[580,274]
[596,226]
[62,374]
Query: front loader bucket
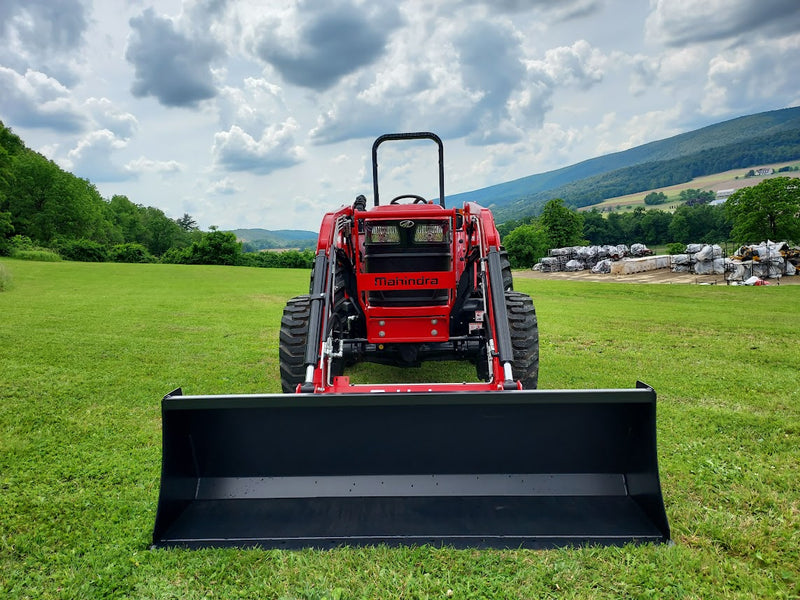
[510,469]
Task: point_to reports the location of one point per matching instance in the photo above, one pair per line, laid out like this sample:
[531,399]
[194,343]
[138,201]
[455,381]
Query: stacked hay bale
[596,258]
[767,260]
[700,259]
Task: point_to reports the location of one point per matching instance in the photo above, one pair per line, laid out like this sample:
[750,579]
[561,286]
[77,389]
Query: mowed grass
[87,351]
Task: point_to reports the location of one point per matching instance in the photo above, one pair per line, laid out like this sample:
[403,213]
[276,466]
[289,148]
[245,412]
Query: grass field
[87,351]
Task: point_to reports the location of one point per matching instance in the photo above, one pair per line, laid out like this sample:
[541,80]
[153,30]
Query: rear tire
[292,345]
[505,265]
[524,338]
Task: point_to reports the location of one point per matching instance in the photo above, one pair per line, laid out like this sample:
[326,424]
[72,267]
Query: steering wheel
[417,199]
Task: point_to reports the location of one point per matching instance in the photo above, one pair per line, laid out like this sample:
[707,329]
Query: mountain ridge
[509,199]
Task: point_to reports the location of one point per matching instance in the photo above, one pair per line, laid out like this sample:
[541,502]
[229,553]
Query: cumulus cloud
[676,68]
[457,85]
[558,11]
[492,67]
[38,34]
[146,165]
[328,41]
[252,105]
[107,116]
[759,75]
[578,65]
[236,150]
[224,187]
[92,157]
[170,64]
[482,80]
[679,22]
[38,101]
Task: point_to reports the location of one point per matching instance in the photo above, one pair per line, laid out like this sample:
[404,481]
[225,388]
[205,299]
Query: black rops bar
[420,135]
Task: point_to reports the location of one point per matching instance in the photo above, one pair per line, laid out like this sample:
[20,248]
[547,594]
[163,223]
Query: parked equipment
[489,463]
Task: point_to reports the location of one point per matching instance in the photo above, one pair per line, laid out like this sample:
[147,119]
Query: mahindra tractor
[489,462]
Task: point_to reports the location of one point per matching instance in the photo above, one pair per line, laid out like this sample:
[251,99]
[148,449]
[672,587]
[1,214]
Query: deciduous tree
[769,210]
[564,226]
[525,245]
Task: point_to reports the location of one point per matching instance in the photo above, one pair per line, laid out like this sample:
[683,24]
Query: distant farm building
[722,196]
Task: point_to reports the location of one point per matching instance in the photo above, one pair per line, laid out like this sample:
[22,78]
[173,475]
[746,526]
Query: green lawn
[87,351]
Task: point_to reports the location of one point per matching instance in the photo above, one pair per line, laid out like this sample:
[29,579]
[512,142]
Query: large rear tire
[524,338]
[505,265]
[292,345]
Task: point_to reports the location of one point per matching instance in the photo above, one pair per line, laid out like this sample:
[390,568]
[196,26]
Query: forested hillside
[51,206]
[744,142]
[49,213]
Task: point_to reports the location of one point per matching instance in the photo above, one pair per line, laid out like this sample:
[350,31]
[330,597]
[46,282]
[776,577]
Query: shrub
[39,254]
[130,253]
[82,250]
[175,256]
[288,259]
[22,242]
[24,248]
[676,248]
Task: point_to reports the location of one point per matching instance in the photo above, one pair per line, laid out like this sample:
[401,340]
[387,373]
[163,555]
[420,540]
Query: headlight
[383,234]
[429,233]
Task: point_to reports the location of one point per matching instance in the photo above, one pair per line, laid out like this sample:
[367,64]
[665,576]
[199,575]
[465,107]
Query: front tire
[292,345]
[524,338]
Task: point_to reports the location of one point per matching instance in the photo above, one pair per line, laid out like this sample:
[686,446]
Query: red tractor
[490,463]
[405,282]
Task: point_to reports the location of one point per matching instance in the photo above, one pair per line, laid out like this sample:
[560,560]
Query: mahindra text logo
[396,281]
[407,224]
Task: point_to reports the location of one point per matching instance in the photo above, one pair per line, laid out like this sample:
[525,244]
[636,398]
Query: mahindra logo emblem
[407,224]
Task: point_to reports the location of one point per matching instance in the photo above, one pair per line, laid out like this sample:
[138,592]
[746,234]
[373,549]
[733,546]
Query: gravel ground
[664,276]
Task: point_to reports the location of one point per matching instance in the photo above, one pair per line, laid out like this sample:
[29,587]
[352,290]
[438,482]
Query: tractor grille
[408,246]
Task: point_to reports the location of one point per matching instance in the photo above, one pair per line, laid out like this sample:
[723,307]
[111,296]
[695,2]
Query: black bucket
[513,469]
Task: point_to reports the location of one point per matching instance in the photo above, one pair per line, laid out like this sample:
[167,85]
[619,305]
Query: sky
[262,114]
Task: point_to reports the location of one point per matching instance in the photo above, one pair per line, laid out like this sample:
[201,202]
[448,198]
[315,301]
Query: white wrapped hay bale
[602,266]
[739,270]
[574,265]
[710,267]
[708,253]
[628,266]
[769,269]
[549,264]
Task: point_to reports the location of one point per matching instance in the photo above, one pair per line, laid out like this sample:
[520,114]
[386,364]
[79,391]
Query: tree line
[769,210]
[46,209]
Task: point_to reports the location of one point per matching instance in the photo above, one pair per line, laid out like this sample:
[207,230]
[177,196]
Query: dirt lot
[658,276]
